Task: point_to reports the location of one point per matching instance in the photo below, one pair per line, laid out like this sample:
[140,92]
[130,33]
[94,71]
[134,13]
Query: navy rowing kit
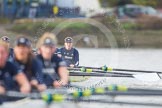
[50,68]
[69,56]
[32,71]
[11,54]
[7,74]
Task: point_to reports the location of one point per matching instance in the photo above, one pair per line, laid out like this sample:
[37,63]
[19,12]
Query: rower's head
[47,45]
[22,48]
[3,53]
[6,39]
[68,42]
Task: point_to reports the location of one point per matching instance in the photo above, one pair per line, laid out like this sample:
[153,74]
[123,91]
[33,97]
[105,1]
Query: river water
[141,59]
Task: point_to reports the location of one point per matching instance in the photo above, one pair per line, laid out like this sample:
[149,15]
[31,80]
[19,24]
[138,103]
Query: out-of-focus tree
[108,3]
[153,3]
[159,5]
[112,3]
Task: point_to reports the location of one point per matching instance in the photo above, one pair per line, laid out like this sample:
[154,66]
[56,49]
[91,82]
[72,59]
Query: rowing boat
[34,99]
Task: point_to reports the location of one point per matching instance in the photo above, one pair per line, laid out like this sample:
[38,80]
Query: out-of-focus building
[47,8]
[81,7]
[25,8]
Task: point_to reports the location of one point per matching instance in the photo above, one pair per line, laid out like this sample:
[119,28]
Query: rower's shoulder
[56,57]
[10,65]
[38,56]
[60,49]
[75,50]
[36,59]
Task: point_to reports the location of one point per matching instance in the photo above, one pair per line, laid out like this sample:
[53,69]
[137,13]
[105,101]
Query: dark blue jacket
[7,74]
[35,71]
[69,56]
[50,68]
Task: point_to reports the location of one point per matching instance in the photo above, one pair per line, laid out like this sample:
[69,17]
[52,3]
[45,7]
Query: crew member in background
[28,64]
[55,71]
[10,74]
[11,53]
[68,53]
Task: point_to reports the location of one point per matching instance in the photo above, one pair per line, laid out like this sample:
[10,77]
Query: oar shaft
[98,74]
[139,71]
[115,69]
[97,71]
[21,95]
[121,88]
[116,102]
[131,93]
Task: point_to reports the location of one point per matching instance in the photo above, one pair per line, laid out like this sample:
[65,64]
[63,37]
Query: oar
[97,74]
[120,88]
[61,98]
[142,77]
[105,101]
[84,93]
[105,68]
[97,71]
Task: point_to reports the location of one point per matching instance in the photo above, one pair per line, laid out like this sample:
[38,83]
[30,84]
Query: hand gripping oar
[105,68]
[143,77]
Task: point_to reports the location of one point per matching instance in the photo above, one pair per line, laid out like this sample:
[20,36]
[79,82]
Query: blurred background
[133,23]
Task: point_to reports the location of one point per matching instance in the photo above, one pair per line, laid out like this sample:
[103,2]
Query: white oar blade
[150,77]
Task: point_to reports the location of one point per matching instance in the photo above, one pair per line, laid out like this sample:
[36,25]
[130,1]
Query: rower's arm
[2,90]
[23,82]
[76,58]
[64,75]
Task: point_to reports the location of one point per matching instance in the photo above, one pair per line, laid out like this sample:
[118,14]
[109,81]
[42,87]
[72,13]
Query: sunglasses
[6,39]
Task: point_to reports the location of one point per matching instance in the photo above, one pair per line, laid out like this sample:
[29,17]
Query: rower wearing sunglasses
[6,39]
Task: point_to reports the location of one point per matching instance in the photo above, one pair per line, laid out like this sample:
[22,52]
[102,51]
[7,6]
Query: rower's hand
[34,82]
[57,84]
[25,89]
[72,66]
[59,55]
[41,87]
[2,90]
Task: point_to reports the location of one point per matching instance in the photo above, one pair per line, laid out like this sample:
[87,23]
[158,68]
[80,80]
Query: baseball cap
[48,42]
[68,40]
[23,41]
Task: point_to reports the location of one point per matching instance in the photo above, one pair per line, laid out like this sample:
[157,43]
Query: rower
[7,40]
[9,73]
[28,64]
[55,71]
[68,53]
